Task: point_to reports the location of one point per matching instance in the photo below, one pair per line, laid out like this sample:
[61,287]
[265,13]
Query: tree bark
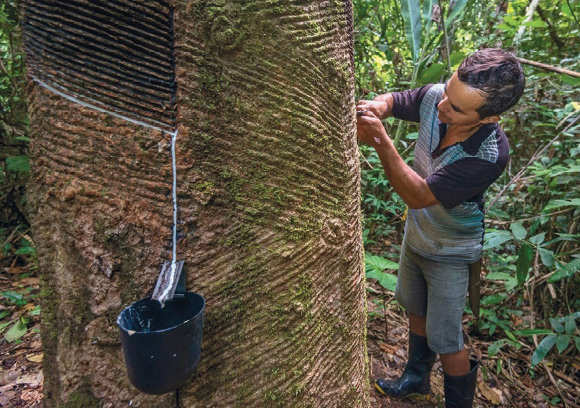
[268,192]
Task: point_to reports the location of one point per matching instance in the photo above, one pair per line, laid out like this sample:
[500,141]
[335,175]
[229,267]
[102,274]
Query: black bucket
[162,346]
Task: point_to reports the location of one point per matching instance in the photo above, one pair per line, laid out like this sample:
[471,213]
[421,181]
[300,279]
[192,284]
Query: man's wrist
[388,100]
[383,143]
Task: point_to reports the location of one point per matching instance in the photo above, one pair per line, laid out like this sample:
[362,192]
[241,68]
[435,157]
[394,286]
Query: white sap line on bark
[171,279]
[97,108]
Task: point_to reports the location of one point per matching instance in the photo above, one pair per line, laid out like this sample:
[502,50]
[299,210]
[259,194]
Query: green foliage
[565,332]
[382,208]
[533,234]
[14,138]
[375,267]
[17,330]
[21,302]
[411,11]
[566,271]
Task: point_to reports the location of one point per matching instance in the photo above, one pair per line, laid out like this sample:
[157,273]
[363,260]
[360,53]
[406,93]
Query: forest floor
[21,378]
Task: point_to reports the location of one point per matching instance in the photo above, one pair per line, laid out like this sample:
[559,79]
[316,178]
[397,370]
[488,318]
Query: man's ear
[491,119]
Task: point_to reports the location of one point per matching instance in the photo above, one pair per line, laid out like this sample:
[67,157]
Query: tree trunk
[268,193]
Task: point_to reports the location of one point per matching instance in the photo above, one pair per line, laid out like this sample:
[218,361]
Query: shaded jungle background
[528,335]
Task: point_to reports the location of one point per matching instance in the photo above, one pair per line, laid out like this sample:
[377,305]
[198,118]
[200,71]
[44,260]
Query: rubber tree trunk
[268,190]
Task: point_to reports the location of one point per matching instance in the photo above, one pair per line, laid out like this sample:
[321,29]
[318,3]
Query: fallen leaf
[489,393]
[28,307]
[31,395]
[6,397]
[14,270]
[388,348]
[7,377]
[35,358]
[35,344]
[16,331]
[30,281]
[32,380]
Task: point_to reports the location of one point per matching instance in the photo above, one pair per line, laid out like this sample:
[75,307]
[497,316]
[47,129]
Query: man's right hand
[379,108]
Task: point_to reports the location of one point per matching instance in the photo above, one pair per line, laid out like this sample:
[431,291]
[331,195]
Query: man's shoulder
[432,95]
[434,92]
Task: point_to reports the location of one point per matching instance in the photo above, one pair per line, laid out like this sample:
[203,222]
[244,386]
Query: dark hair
[498,75]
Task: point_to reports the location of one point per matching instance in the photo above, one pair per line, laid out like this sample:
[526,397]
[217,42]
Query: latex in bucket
[162,346]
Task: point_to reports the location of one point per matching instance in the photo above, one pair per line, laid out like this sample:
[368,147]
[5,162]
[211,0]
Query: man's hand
[379,108]
[370,129]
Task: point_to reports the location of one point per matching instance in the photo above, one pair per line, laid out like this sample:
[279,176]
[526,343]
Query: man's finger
[369,113]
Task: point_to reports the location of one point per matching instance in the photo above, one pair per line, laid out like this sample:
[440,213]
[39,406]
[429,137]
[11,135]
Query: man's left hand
[370,129]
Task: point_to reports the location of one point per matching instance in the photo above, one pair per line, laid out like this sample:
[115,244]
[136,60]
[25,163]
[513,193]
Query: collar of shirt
[470,145]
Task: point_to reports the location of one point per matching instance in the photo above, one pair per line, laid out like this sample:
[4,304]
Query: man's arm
[409,185]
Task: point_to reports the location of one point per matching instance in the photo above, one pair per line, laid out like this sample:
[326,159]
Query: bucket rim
[136,332]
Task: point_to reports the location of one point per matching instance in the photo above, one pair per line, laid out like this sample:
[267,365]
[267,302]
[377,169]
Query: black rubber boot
[415,380]
[459,391]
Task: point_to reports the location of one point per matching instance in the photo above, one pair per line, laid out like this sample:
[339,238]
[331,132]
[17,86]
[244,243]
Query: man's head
[487,83]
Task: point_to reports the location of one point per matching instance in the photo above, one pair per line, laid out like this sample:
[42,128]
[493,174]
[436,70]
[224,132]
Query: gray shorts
[436,290]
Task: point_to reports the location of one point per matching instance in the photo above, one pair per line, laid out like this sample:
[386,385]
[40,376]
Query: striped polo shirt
[457,175]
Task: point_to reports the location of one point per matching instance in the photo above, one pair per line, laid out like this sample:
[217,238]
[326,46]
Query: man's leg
[418,325]
[455,364]
[412,295]
[446,301]
[459,382]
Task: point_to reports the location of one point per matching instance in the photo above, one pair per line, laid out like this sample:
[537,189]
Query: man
[460,152]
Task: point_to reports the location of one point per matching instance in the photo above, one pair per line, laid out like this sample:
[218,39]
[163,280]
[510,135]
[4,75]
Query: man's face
[460,103]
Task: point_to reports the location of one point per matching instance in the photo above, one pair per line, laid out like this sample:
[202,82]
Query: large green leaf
[543,348]
[432,73]
[493,299]
[562,342]
[379,263]
[455,12]
[531,332]
[561,203]
[26,250]
[411,11]
[4,325]
[547,257]
[557,325]
[495,239]
[535,23]
[524,261]
[570,323]
[18,163]
[519,231]
[570,80]
[498,276]
[386,280]
[538,238]
[16,331]
[375,265]
[566,271]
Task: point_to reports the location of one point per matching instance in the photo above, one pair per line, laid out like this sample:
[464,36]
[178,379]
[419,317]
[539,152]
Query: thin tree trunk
[529,16]
[268,190]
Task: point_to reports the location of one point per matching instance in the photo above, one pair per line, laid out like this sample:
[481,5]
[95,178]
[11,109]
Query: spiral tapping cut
[123,64]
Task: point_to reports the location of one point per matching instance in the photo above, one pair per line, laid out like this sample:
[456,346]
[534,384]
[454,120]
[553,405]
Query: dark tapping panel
[116,55]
